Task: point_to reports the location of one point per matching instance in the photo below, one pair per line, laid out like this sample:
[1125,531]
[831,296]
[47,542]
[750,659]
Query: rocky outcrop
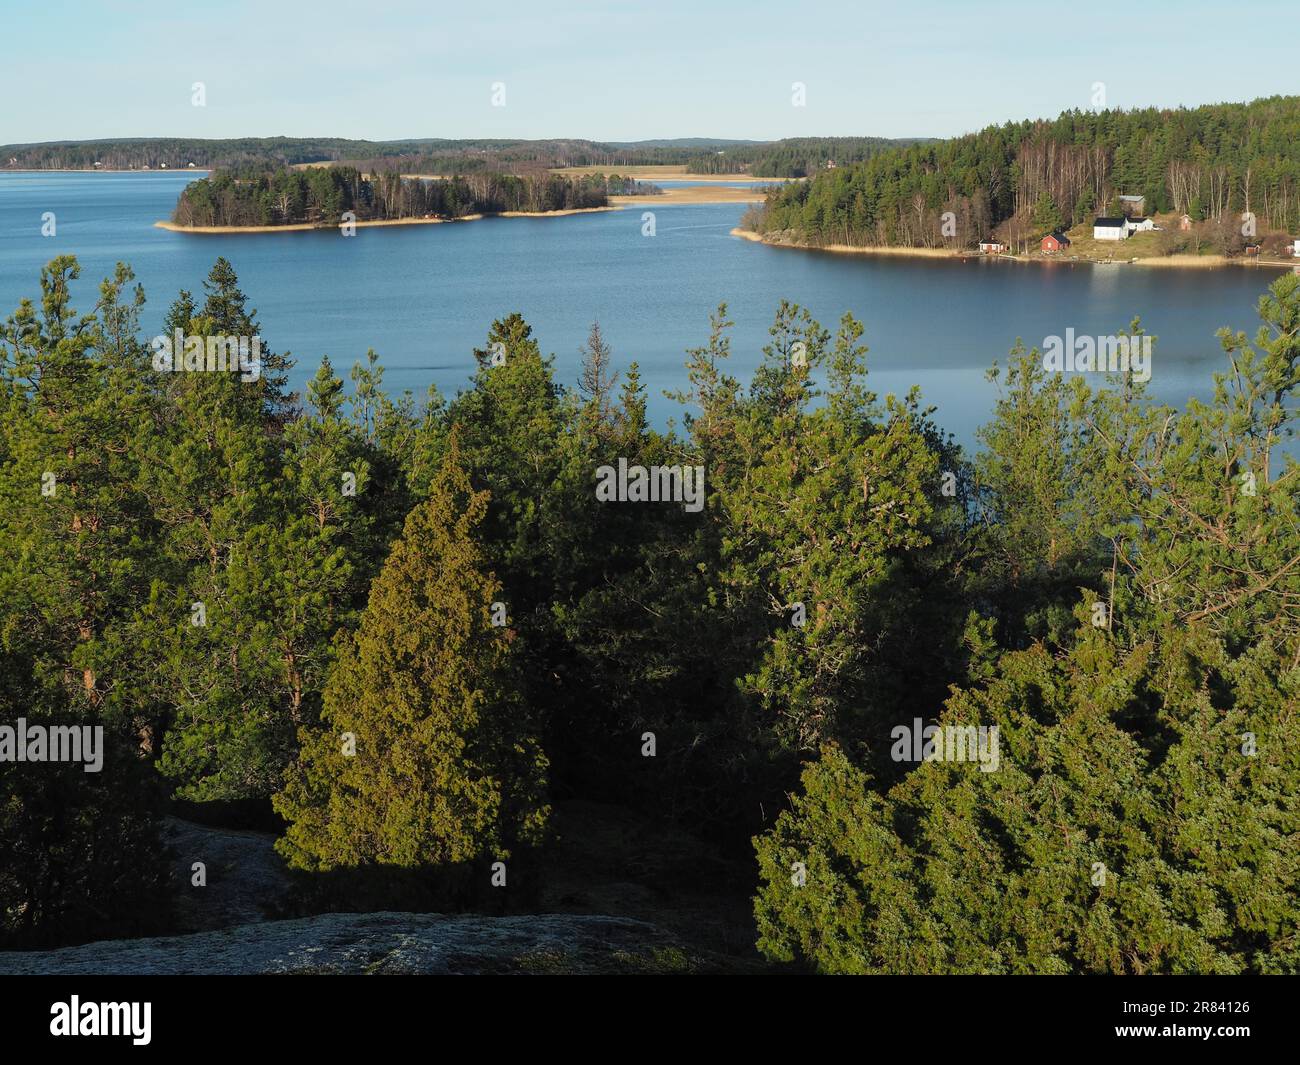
[621,895]
[246,880]
[383,943]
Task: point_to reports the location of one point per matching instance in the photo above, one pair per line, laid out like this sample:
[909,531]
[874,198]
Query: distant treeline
[470,157]
[1209,162]
[176,153]
[321,195]
[436,156]
[796,157]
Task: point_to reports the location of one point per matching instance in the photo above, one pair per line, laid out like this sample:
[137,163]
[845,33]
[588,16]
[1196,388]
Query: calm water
[423,296]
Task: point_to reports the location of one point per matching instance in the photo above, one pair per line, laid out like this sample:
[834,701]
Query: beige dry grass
[692,194]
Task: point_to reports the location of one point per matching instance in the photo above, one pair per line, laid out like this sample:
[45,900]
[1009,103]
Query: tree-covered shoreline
[1213,163]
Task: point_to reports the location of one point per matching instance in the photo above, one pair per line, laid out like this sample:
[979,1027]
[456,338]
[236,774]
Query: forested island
[319,196]
[1017,183]
[413,636]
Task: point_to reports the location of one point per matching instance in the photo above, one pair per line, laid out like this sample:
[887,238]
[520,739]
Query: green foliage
[320,195]
[1211,161]
[80,850]
[794,157]
[1111,582]
[478,155]
[956,870]
[1046,218]
[814,523]
[1145,814]
[445,768]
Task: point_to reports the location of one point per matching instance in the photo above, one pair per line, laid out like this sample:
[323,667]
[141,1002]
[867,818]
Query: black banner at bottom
[85,1014]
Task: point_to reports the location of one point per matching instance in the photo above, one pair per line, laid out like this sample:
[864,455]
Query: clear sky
[619,71]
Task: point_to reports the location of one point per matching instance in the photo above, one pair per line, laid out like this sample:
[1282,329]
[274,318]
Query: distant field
[693,194]
[665,173]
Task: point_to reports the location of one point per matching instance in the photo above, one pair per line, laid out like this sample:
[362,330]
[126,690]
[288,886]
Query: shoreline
[97,170]
[617,203]
[304,227]
[551,214]
[1185,262]
[874,249]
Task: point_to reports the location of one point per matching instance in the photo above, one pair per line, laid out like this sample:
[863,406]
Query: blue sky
[619,71]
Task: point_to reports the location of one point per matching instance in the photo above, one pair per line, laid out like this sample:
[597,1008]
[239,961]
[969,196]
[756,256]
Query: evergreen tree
[446,767]
[225,676]
[82,856]
[1144,814]
[1046,217]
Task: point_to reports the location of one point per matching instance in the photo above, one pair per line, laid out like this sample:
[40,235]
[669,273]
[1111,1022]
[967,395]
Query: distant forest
[788,158]
[796,157]
[423,156]
[321,194]
[176,153]
[1209,162]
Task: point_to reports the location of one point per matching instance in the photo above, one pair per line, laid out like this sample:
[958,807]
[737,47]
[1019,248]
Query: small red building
[1055,242]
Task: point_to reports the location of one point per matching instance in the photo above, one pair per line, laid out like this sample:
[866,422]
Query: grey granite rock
[381,943]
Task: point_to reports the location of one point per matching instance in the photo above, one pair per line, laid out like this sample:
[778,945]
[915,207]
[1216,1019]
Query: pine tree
[715,395]
[81,852]
[225,677]
[815,527]
[510,424]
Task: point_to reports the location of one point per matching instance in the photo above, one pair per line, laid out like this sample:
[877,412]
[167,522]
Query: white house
[1140,225]
[1295,249]
[1110,229]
